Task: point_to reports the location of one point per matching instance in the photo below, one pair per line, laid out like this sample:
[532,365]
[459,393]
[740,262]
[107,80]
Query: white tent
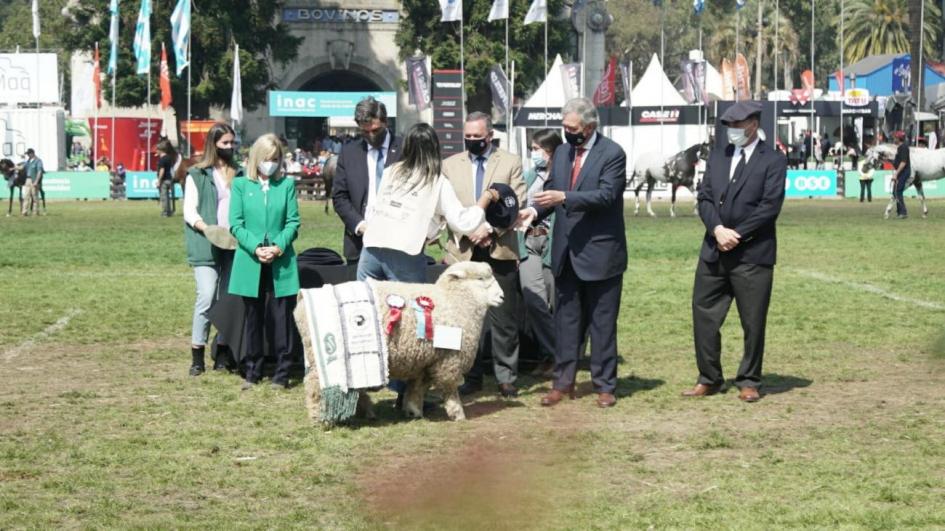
[713,82]
[551,91]
[654,88]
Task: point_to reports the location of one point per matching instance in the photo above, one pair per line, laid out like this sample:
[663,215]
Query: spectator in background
[207,204]
[33,188]
[535,276]
[264,218]
[866,183]
[168,162]
[933,138]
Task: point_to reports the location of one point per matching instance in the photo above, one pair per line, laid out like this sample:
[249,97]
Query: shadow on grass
[781,383]
[387,414]
[938,348]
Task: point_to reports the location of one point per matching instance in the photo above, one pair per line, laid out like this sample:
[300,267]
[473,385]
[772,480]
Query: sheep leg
[413,397]
[453,405]
[312,394]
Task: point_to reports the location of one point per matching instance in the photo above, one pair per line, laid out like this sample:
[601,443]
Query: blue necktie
[379,169]
[480,175]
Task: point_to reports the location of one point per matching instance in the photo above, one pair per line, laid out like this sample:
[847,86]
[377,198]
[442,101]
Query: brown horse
[16,178]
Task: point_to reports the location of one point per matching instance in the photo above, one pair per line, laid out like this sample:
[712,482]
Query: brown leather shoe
[702,390]
[606,400]
[557,395]
[749,394]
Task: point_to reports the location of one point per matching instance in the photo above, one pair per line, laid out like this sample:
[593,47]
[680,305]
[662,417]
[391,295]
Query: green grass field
[100,426]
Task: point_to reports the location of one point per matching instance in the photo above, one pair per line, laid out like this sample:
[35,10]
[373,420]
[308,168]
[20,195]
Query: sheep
[461,296]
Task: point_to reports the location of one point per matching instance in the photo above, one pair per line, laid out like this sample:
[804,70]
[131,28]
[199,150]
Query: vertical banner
[742,78]
[728,80]
[499,84]
[448,110]
[418,82]
[902,74]
[605,95]
[688,88]
[627,82]
[571,77]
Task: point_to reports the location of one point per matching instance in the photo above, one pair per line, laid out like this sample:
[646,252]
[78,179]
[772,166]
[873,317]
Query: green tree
[421,30]
[874,27]
[216,26]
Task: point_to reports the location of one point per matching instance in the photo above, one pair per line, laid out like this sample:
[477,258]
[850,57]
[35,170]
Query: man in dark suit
[739,202]
[584,189]
[359,169]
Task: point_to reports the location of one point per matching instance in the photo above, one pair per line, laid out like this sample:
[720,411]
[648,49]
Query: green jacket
[529,177]
[255,217]
[199,250]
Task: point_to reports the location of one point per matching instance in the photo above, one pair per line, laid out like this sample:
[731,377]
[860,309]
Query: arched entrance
[306,130]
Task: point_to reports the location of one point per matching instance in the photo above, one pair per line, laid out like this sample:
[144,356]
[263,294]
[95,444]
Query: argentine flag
[537,12]
[113,38]
[452,10]
[180,34]
[698,6]
[142,45]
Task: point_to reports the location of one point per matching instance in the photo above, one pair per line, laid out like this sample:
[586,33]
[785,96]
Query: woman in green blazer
[264,218]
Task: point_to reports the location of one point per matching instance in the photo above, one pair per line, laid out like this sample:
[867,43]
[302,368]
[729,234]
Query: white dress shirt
[737,155]
[475,166]
[372,154]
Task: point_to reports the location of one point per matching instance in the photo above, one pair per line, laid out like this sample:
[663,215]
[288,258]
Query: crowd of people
[559,257]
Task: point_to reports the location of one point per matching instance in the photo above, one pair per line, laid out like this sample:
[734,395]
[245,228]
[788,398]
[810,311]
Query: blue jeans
[898,188]
[379,263]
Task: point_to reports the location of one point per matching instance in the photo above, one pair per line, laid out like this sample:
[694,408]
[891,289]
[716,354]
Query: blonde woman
[206,203]
[264,218]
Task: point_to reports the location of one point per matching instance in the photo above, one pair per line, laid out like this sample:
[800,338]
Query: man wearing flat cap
[739,202]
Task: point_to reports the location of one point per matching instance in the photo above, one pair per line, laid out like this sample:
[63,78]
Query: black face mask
[226,154]
[575,139]
[376,139]
[476,146]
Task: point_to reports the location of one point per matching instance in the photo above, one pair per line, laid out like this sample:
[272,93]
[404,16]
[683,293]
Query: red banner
[97,79]
[131,141]
[742,78]
[606,93]
[165,80]
[728,80]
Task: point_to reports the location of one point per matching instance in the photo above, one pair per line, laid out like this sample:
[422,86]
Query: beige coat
[502,167]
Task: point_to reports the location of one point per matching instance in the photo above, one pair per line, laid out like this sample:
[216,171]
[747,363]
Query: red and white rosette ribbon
[427,304]
[396,304]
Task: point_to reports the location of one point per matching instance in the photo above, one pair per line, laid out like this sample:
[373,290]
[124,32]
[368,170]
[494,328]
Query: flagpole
[546,63]
[777,59]
[508,86]
[511,98]
[843,147]
[462,60]
[918,106]
[814,87]
[190,126]
[148,110]
[111,148]
[97,83]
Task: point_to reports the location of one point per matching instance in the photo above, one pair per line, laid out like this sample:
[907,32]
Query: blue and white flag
[698,6]
[180,34]
[499,11]
[35,19]
[142,45]
[452,10]
[740,4]
[236,98]
[113,38]
[537,12]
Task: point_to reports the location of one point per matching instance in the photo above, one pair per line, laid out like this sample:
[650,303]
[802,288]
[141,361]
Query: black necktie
[739,170]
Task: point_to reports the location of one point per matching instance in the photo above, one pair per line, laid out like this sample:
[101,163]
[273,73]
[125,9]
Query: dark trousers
[716,284]
[866,190]
[503,323]
[278,316]
[583,307]
[899,187]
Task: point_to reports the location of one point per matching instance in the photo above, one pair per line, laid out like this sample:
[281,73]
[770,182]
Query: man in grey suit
[739,202]
[584,189]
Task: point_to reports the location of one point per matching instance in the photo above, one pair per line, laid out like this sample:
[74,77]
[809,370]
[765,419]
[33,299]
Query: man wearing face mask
[739,202]
[359,169]
[584,190]
[471,172]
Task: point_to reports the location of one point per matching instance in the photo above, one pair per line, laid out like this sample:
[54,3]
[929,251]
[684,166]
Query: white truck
[42,129]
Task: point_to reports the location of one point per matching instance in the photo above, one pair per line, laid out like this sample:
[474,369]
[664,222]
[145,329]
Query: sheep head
[476,277]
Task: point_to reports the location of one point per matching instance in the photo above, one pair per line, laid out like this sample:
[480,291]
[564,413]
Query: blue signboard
[811,183]
[325,104]
[143,185]
[902,74]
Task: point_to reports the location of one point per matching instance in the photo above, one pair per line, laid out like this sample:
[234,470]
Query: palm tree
[883,26]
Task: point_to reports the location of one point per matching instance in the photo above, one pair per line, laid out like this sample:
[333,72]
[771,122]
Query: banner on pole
[452,10]
[499,11]
[180,34]
[605,94]
[113,38]
[571,76]
[165,81]
[418,82]
[499,84]
[236,100]
[537,12]
[142,44]
[728,80]
[742,78]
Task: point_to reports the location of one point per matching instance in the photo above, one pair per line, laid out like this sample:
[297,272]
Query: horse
[328,176]
[927,165]
[678,170]
[16,178]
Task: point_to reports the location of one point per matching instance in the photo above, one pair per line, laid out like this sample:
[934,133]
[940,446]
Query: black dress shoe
[508,391]
[279,386]
[469,388]
[196,370]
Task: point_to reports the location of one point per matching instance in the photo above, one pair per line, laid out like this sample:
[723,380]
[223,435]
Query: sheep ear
[457,272]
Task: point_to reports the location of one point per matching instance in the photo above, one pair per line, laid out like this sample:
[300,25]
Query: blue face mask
[538,159]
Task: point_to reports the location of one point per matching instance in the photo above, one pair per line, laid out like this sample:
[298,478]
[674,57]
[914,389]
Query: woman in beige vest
[412,201]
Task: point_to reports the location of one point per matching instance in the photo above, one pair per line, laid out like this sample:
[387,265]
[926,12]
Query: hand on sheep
[480,234]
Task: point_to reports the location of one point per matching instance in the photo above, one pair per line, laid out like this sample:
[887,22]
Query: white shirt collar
[749,149]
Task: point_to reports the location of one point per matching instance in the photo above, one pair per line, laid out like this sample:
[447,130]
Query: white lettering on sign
[813,183]
[340,15]
[448,84]
[665,115]
[550,116]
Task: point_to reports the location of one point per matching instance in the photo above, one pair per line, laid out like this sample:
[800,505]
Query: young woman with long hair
[207,203]
[412,200]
